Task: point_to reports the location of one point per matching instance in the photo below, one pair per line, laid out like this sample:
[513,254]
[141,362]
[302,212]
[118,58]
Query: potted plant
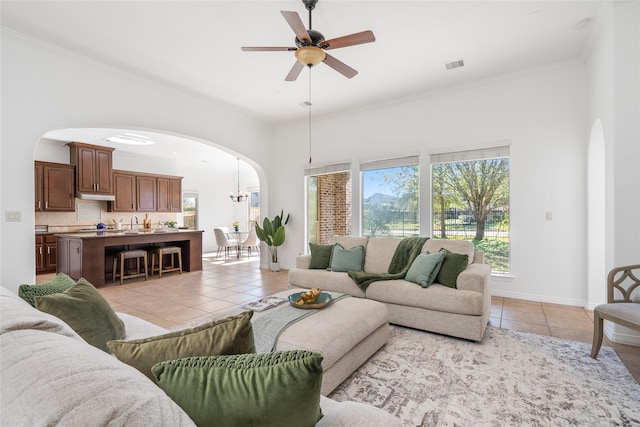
[272,233]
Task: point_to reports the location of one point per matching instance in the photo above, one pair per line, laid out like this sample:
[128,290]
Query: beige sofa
[51,376]
[461,312]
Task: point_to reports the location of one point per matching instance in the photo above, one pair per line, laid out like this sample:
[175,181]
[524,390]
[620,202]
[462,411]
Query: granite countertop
[120,233]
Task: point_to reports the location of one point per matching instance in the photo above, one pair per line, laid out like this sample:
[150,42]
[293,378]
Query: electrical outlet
[13,216]
[548,216]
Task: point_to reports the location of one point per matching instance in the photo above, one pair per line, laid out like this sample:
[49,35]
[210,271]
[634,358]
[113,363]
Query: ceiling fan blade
[294,21]
[267,48]
[350,40]
[340,66]
[295,72]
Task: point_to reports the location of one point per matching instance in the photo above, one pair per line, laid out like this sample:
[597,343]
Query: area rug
[509,379]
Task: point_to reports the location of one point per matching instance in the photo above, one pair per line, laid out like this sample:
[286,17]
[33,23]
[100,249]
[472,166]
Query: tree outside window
[471,201]
[390,204]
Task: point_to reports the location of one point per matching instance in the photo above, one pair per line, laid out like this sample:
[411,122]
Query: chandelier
[238,197]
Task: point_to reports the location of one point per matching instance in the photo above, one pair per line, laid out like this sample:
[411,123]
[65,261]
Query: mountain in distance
[380,199]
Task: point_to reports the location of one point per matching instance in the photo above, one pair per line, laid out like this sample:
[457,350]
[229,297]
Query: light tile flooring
[177,299]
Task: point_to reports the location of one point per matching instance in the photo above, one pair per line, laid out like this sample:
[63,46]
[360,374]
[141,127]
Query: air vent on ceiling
[454,64]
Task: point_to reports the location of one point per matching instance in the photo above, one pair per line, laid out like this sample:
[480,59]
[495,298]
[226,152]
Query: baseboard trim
[620,335]
[539,298]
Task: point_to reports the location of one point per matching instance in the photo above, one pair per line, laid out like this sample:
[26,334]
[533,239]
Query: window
[471,201]
[190,210]
[391,197]
[328,202]
[254,207]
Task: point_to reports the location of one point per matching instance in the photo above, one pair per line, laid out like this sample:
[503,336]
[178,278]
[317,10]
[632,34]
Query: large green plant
[272,233]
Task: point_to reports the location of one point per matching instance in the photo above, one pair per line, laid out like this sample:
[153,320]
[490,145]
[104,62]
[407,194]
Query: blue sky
[372,182]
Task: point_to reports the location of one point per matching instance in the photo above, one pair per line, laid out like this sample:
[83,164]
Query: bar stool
[159,253]
[124,255]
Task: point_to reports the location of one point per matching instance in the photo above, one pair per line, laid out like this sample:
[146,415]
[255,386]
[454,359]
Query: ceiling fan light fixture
[310,55]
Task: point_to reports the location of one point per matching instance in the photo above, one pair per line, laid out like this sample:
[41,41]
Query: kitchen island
[90,255]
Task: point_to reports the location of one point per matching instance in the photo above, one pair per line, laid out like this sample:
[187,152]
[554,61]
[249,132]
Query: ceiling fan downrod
[310,5]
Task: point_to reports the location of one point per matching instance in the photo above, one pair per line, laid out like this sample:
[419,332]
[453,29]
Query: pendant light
[238,197]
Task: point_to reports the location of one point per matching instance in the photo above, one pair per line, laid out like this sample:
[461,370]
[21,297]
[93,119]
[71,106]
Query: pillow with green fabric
[277,389]
[425,268]
[231,335]
[58,284]
[320,256]
[346,259]
[86,311]
[452,265]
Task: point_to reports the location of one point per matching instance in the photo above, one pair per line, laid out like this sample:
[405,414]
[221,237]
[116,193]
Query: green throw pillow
[452,265]
[425,268]
[320,256]
[277,389]
[231,335]
[346,259]
[58,284]
[86,311]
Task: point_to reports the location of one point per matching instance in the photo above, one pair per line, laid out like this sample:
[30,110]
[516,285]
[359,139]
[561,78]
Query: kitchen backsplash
[89,213]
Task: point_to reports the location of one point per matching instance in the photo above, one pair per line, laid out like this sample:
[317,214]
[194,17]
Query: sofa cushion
[276,389]
[53,380]
[349,241]
[343,260]
[380,251]
[86,311]
[320,256]
[425,268]
[231,335]
[452,265]
[436,297]
[60,283]
[456,246]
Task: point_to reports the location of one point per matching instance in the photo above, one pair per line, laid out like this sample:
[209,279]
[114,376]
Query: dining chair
[250,243]
[223,242]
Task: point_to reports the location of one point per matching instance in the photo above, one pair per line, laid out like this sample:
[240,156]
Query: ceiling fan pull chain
[310,104]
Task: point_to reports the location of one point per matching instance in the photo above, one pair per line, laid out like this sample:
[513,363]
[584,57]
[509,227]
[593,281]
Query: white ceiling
[195,45]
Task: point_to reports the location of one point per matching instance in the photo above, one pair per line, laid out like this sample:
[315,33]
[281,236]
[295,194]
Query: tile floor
[177,299]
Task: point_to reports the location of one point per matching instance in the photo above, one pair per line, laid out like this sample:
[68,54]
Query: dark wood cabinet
[69,257]
[139,192]
[46,253]
[94,168]
[54,187]
[169,194]
[124,184]
[146,193]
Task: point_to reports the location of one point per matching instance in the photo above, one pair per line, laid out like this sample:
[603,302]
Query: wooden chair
[621,308]
[119,260]
[159,253]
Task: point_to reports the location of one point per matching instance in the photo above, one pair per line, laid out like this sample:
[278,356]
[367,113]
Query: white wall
[45,88]
[541,113]
[613,87]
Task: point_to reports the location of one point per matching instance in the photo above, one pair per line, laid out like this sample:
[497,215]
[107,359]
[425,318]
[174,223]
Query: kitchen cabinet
[169,194]
[54,187]
[46,253]
[69,257]
[124,184]
[146,193]
[94,168]
[134,192]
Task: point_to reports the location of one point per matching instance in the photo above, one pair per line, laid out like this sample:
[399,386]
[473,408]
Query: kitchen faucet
[137,222]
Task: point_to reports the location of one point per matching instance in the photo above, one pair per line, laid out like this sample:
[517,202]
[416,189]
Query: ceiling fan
[311,45]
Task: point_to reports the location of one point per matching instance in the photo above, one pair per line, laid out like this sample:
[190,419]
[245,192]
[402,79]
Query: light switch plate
[13,216]
[548,216]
